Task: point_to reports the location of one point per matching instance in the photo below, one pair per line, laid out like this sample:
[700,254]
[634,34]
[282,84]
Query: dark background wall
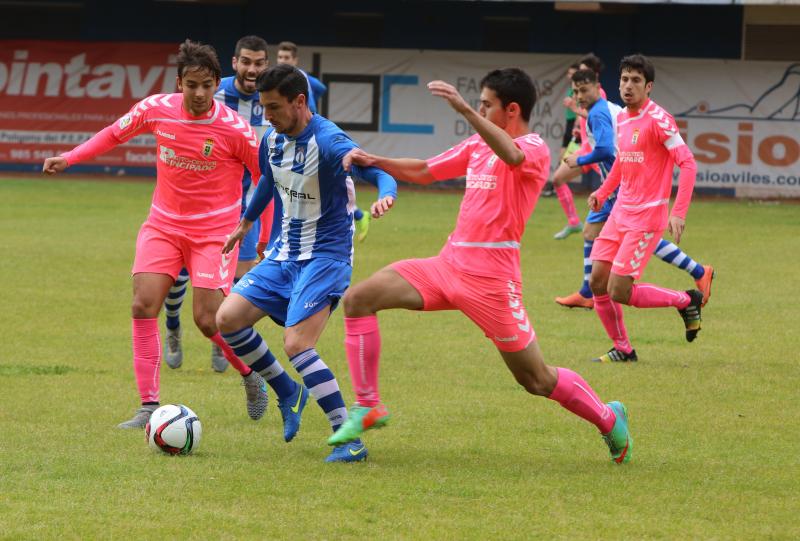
[658,30]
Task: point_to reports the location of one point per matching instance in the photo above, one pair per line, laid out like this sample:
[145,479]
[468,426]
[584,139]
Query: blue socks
[670,253]
[174,300]
[322,385]
[585,291]
[253,351]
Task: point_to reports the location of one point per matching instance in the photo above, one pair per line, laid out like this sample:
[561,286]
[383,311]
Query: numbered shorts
[627,249]
[292,291]
[167,252]
[493,304]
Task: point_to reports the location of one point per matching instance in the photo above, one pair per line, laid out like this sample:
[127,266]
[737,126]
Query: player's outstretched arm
[408,169]
[496,137]
[387,187]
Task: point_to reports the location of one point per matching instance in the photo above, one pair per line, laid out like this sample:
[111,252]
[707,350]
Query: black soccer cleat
[691,314]
[616,356]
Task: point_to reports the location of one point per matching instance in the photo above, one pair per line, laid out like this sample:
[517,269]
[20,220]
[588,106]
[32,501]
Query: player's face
[492,108]
[286,57]
[586,94]
[633,88]
[284,115]
[198,87]
[248,66]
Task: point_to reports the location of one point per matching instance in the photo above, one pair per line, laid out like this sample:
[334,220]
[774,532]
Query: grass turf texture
[468,455]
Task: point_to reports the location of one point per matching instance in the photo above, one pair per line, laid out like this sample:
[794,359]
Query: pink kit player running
[201,148]
[478,270]
[649,147]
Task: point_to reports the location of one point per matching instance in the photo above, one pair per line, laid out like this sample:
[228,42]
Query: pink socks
[146,358]
[363,347]
[653,296]
[610,314]
[234,361]
[574,394]
[568,204]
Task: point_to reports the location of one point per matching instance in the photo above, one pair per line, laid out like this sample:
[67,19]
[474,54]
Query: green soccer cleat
[691,314]
[619,440]
[567,231]
[359,420]
[362,227]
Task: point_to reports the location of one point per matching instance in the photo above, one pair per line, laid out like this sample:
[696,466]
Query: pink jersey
[200,161]
[498,201]
[649,148]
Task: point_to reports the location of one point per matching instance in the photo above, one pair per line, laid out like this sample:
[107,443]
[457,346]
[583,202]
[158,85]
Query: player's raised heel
[354,451]
[619,440]
[292,411]
[704,283]
[576,300]
[255,389]
[615,355]
[359,420]
[691,314]
[567,231]
[140,418]
[173,352]
[218,361]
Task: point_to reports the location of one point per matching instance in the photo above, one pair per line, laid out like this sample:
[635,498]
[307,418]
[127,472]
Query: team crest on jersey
[208,146]
[299,157]
[635,136]
[492,160]
[125,121]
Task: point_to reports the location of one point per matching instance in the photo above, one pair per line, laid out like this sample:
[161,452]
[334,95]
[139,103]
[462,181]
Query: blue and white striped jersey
[601,131]
[249,109]
[317,195]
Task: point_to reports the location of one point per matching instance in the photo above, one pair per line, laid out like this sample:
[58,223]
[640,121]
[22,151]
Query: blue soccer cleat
[291,411]
[354,451]
[619,440]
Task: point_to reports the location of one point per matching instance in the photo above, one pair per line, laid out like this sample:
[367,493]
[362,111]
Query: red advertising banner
[55,95]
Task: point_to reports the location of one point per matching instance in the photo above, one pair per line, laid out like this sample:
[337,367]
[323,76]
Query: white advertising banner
[741,119]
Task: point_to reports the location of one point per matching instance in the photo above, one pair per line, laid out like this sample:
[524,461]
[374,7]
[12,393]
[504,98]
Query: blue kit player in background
[307,270]
[287,54]
[239,93]
[601,131]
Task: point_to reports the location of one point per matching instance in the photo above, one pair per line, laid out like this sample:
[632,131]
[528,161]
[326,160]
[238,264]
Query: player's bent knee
[292,346]
[206,322]
[356,301]
[144,308]
[226,320]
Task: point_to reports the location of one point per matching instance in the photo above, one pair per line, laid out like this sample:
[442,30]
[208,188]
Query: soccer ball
[174,429]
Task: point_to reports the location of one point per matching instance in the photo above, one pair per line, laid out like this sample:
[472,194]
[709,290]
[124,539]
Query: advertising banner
[55,95]
[741,119]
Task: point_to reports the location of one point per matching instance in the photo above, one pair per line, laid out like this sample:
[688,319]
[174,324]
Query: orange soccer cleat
[576,300]
[704,283]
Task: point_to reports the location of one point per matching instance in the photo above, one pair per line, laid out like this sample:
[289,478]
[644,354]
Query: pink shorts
[629,250]
[167,252]
[493,304]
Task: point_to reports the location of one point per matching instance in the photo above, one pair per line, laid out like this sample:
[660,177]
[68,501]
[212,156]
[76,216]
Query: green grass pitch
[468,455]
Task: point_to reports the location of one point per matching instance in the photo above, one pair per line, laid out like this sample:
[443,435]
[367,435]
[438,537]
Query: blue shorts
[247,248]
[292,291]
[593,217]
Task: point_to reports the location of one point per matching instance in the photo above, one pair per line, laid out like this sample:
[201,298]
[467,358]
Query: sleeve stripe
[674,141]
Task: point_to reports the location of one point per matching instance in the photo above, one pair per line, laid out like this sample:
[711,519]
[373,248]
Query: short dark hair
[584,76]
[642,64]
[574,66]
[512,85]
[288,46]
[193,55]
[593,61]
[254,43]
[290,81]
